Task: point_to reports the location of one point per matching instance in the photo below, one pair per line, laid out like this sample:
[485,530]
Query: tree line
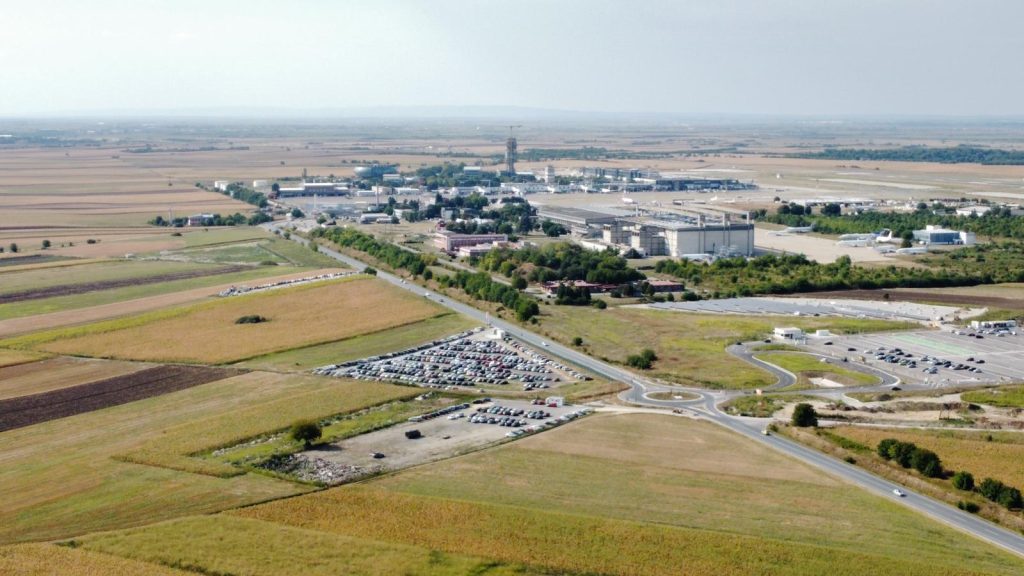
[947,155]
[560,261]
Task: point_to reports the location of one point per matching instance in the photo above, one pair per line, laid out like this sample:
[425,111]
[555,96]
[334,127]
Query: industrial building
[938,235]
[375,171]
[314,189]
[688,232]
[579,221]
[452,241]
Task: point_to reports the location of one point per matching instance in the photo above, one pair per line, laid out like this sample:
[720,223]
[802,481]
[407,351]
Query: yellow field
[301,316]
[15,357]
[55,373]
[1001,458]
[48,559]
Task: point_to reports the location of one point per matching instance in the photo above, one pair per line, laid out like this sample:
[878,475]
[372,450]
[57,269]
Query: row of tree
[907,455]
[236,219]
[560,261]
[478,285]
[948,155]
[997,222]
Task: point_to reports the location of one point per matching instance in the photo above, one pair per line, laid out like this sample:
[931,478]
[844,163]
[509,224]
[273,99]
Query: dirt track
[28,410]
[69,289]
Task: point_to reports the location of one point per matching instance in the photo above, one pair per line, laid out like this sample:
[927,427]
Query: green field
[389,340]
[69,478]
[40,278]
[226,235]
[690,347]
[806,367]
[763,406]
[254,251]
[1003,397]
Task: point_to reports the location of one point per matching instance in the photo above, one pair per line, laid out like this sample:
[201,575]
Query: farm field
[15,357]
[59,311]
[60,372]
[71,475]
[1001,458]
[1003,397]
[40,559]
[522,503]
[690,347]
[807,367]
[230,545]
[69,401]
[248,248]
[362,346]
[300,316]
[24,283]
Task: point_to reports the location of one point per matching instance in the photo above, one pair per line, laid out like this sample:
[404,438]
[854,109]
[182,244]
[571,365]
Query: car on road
[899,493]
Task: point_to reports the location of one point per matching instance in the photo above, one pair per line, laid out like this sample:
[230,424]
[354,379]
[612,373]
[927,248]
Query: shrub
[46,244]
[648,354]
[13,248]
[885,446]
[93,240]
[638,361]
[519,283]
[926,462]
[577,341]
[370,270]
[600,304]
[990,488]
[305,432]
[804,415]
[1010,498]
[901,453]
[251,319]
[968,506]
[963,481]
[268,263]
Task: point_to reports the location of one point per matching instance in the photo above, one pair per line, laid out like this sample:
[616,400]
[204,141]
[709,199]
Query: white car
[899,493]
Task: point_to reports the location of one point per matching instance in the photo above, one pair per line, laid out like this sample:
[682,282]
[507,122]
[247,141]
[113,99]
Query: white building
[221,185]
[791,334]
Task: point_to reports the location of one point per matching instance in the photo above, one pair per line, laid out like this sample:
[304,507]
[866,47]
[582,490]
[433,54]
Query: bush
[990,488]
[804,416]
[46,244]
[600,304]
[251,319]
[519,283]
[885,446]
[268,263]
[370,270]
[963,481]
[306,432]
[577,341]
[926,462]
[93,240]
[648,354]
[968,506]
[638,361]
[13,248]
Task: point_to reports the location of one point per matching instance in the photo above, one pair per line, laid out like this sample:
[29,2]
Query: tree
[306,432]
[901,453]
[600,304]
[963,481]
[296,213]
[990,488]
[831,209]
[577,341]
[926,462]
[885,446]
[369,270]
[519,283]
[648,354]
[46,244]
[638,361]
[1010,498]
[804,416]
[13,248]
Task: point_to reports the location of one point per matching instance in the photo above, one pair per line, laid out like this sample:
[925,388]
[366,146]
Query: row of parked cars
[239,290]
[454,408]
[464,361]
[567,417]
[902,358]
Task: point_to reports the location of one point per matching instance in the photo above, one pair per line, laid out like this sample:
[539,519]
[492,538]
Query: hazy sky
[819,57]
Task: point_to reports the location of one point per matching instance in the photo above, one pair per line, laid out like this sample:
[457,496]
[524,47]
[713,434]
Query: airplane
[855,237]
[915,250]
[859,243]
[799,229]
[886,236]
[885,249]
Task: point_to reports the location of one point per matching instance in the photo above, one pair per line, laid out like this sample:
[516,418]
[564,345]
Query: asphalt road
[706,408]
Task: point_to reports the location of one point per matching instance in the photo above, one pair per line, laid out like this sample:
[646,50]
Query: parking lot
[478,358]
[460,428]
[935,358]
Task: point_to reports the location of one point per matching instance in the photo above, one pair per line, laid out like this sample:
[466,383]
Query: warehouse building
[579,221]
[938,235]
[451,241]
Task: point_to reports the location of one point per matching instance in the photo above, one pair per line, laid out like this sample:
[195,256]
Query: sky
[682,57]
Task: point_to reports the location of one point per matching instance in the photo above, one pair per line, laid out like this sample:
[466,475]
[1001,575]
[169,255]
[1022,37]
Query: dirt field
[28,410]
[41,559]
[69,289]
[60,372]
[14,326]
